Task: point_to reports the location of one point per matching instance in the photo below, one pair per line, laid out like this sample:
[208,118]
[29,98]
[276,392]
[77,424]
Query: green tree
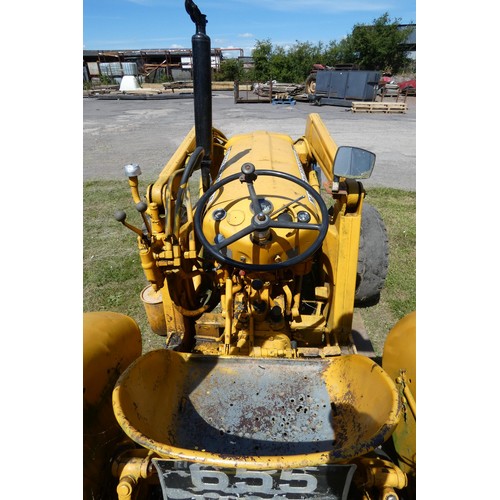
[378,46]
[371,47]
[302,56]
[261,55]
[339,53]
[280,65]
[285,65]
[230,70]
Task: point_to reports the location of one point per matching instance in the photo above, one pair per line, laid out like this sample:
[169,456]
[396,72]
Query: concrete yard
[147,132]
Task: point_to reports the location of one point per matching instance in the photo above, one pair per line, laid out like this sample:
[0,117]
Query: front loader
[253,271]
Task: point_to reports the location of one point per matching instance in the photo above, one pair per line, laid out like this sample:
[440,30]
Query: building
[149,65]
[410,44]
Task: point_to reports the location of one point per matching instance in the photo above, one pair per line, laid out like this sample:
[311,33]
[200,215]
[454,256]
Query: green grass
[113,277]
[112,273]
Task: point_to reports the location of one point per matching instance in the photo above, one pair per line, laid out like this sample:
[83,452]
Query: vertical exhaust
[202,82]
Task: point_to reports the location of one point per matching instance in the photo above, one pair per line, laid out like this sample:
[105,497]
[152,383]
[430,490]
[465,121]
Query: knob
[120,216]
[275,314]
[132,170]
[247,168]
[257,284]
[141,207]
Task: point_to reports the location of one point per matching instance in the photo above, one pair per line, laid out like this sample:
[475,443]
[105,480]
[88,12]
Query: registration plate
[187,480]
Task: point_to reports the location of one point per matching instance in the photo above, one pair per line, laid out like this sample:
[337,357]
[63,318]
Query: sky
[165,24]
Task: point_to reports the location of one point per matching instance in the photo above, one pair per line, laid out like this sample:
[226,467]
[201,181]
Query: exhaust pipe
[202,82]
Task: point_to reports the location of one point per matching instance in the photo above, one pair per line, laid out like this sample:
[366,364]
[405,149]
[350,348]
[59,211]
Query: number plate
[187,480]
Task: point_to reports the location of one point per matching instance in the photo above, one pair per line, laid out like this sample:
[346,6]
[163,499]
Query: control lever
[284,207]
[132,171]
[141,208]
[120,216]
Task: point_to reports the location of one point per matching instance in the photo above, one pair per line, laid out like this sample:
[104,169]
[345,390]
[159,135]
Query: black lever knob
[120,216]
[141,207]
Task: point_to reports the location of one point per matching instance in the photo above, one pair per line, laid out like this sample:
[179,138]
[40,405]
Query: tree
[302,56]
[285,65]
[279,65]
[230,70]
[339,53]
[261,55]
[378,46]
[371,47]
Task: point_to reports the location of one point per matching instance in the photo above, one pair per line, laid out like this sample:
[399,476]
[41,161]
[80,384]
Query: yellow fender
[399,361]
[111,341]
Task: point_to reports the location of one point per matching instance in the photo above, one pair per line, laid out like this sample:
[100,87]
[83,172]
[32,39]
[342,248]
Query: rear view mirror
[353,163]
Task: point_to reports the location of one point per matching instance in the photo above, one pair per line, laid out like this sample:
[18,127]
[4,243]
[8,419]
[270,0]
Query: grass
[113,278]
[112,273]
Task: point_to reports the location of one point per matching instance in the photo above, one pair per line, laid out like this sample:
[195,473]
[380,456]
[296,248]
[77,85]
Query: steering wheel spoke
[235,237]
[294,225]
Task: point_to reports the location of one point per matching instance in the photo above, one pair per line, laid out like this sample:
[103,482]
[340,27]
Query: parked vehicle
[252,279]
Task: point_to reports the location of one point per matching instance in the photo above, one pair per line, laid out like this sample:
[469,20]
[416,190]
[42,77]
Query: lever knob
[132,170]
[120,216]
[141,207]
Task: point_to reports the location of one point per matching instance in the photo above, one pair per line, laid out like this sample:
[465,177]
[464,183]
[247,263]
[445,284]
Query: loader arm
[322,146]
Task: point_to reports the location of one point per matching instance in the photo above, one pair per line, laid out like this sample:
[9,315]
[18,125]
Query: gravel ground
[147,132]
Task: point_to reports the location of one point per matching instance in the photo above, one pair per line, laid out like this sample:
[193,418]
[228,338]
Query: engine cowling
[231,209]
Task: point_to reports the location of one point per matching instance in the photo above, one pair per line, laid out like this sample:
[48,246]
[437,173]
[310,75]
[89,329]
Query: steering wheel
[261,223]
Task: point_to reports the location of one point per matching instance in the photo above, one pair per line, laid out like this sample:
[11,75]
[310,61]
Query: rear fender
[399,361]
[111,341]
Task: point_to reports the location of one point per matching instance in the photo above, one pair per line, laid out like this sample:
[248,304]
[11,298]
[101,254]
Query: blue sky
[151,24]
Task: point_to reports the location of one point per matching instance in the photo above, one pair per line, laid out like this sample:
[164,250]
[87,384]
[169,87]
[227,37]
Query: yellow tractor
[252,279]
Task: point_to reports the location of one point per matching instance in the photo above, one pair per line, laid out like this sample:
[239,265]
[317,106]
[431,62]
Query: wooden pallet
[379,107]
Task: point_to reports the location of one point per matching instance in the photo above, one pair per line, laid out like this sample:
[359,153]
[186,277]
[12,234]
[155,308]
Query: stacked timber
[274,88]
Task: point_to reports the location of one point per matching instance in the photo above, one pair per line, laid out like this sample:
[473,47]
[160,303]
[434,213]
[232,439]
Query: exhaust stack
[202,82]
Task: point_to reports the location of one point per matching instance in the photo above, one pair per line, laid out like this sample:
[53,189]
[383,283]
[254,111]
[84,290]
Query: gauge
[266,207]
[303,216]
[219,214]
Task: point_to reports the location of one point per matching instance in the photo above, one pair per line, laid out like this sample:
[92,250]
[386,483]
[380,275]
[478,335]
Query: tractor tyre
[373,258]
[311,84]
